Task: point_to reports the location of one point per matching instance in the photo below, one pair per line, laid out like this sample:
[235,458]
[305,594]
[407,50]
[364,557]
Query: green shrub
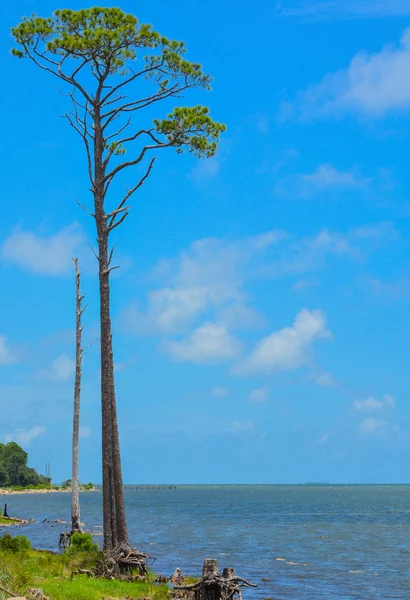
[82,542]
[16,544]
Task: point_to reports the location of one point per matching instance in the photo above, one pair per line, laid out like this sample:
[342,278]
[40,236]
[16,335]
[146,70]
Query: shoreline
[8,492]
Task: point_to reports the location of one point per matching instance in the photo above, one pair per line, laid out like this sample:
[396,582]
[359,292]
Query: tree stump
[177,577]
[64,540]
[5,512]
[213,586]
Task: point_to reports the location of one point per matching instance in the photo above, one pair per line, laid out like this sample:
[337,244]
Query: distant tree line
[14,469]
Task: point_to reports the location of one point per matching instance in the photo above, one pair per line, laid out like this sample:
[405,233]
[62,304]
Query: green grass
[4,521]
[53,573]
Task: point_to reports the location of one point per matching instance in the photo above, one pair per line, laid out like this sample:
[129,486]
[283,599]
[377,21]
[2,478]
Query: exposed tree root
[213,586]
[120,564]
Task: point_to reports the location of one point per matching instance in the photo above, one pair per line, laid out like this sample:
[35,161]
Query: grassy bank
[7,521]
[42,489]
[22,568]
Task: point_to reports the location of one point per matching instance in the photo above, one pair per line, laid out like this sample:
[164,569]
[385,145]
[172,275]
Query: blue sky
[261,311]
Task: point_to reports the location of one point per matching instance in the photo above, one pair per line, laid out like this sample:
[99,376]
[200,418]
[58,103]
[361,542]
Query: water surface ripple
[333,542]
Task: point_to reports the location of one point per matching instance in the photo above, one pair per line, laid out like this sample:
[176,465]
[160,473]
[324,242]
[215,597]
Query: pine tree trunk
[107,388]
[115,527]
[113,495]
[75,501]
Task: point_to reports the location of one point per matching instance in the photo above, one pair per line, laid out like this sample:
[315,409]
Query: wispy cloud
[60,370]
[207,278]
[25,436]
[324,379]
[7,355]
[389,289]
[327,176]
[324,179]
[205,170]
[345,9]
[242,426]
[289,348]
[258,395]
[372,86]
[372,404]
[85,432]
[219,392]
[44,254]
[210,343]
[378,428]
[313,253]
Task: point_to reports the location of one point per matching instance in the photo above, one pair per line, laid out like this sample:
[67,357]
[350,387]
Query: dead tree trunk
[213,586]
[75,501]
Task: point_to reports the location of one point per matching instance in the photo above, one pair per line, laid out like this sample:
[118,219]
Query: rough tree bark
[115,526]
[75,500]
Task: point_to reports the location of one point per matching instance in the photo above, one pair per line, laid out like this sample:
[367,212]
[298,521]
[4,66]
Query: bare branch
[111,227]
[94,252]
[142,103]
[121,208]
[118,210]
[78,69]
[110,258]
[114,100]
[113,268]
[126,82]
[87,210]
[83,350]
[120,130]
[108,178]
[58,74]
[81,127]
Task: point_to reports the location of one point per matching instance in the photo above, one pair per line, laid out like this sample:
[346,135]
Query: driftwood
[162,579]
[3,589]
[36,594]
[213,585]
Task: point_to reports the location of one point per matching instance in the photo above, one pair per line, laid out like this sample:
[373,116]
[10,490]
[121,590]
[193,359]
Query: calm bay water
[334,542]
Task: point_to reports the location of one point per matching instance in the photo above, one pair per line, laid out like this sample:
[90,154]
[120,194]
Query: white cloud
[372,85]
[209,343]
[61,369]
[313,253]
[371,403]
[85,432]
[346,9]
[287,349]
[208,277]
[25,437]
[327,176]
[242,426]
[258,395]
[7,356]
[372,425]
[44,254]
[390,289]
[205,170]
[219,392]
[324,379]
